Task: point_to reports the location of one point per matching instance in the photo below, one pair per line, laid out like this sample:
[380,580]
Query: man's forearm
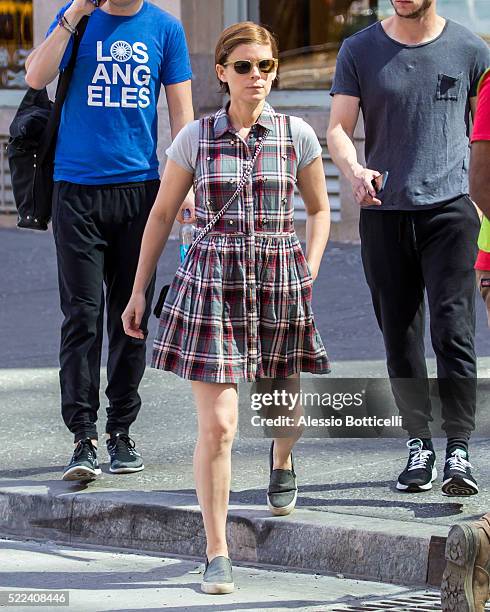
[42,65]
[342,152]
[179,120]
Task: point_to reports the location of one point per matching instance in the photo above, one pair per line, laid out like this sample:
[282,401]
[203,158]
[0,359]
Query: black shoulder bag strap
[61,92]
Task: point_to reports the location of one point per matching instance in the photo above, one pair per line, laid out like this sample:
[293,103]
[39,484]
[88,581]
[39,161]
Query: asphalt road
[30,317]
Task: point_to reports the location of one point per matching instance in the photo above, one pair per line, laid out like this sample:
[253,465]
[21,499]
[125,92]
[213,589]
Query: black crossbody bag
[32,143]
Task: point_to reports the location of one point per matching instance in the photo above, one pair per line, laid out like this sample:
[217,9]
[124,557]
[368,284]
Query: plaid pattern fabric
[240,307]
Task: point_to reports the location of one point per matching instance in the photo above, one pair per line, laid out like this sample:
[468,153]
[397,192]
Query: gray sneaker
[283,489]
[83,465]
[125,459]
[218,577]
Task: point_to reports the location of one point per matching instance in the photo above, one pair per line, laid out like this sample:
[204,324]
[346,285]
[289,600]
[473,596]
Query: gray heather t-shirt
[415,103]
[183,150]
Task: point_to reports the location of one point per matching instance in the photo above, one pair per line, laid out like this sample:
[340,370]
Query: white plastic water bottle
[187,231]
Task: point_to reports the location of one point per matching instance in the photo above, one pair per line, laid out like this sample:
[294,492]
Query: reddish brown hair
[243,33]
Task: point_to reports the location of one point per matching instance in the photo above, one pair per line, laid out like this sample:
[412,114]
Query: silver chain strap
[241,185]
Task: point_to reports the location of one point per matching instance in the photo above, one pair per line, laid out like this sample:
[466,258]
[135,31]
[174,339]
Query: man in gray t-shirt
[415,77]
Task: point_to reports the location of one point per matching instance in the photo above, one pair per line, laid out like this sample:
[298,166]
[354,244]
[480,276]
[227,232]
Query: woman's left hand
[313,270]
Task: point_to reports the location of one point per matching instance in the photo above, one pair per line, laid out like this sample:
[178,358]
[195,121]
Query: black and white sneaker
[458,479]
[420,471]
[83,464]
[283,489]
[125,459]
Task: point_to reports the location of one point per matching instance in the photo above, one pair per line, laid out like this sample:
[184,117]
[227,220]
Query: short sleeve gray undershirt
[183,151]
[415,100]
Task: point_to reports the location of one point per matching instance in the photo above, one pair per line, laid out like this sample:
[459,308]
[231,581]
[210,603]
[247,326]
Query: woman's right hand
[190,205]
[133,315]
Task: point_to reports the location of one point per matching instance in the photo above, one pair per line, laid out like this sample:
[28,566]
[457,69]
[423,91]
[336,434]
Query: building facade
[309,31]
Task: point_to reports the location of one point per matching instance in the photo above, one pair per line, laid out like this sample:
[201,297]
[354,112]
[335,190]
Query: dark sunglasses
[246,66]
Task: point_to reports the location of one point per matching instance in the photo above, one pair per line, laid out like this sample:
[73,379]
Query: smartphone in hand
[379,182]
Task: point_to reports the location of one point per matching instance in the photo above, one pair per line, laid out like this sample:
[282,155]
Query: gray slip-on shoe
[218,577]
[283,488]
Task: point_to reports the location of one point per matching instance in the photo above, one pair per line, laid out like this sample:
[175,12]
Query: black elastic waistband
[134,185]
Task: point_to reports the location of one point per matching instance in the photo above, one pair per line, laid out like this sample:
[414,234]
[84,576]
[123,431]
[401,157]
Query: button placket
[268,214]
[252,321]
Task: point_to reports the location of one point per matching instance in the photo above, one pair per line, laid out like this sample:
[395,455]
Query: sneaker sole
[417,488]
[81,473]
[217,588]
[126,470]
[457,580]
[284,510]
[454,487]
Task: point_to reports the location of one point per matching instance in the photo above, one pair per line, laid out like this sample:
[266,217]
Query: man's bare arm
[180,110]
[343,119]
[42,65]
[480,175]
[180,113]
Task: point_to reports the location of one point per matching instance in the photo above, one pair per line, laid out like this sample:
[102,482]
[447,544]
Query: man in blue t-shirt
[106,180]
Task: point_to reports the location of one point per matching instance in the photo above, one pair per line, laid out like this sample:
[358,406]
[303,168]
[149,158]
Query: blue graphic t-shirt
[109,123]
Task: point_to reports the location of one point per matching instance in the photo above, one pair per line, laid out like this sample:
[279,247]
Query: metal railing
[332,177]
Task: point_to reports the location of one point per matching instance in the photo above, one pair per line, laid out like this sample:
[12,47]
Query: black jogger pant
[404,254]
[98,232]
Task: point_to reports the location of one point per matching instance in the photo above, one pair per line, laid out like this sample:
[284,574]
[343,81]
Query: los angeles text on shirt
[115,68]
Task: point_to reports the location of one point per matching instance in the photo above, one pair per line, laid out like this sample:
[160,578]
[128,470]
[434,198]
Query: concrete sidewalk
[349,519]
[110,580]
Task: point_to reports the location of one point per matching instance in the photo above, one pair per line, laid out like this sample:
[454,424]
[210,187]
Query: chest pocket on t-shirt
[449,87]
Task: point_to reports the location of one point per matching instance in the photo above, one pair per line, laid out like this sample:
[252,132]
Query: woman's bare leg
[284,446]
[217,413]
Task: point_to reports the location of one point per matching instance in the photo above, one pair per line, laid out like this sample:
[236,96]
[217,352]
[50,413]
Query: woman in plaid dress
[239,307]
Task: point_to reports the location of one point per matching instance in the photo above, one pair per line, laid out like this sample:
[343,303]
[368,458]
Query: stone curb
[356,547]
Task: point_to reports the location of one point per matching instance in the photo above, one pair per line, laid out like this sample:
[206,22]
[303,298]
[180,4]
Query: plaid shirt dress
[239,308]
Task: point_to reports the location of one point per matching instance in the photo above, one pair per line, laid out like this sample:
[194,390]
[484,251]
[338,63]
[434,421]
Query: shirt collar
[222,123]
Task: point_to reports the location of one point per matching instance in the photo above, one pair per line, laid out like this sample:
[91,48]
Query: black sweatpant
[98,232]
[404,254]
